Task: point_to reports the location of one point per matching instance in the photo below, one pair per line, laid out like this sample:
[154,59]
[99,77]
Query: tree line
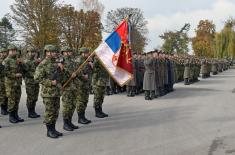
[41,22]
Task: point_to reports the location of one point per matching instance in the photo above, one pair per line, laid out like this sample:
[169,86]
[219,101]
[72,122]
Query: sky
[164,15]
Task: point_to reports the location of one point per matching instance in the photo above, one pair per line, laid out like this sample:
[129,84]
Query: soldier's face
[13,52]
[65,54]
[54,54]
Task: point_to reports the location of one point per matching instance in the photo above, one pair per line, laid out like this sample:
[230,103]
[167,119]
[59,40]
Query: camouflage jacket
[100,75]
[31,66]
[11,69]
[70,65]
[45,74]
[80,81]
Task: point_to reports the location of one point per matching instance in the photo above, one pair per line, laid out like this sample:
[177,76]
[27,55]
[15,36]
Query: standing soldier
[32,87]
[203,68]
[100,77]
[149,79]
[69,93]
[83,83]
[131,86]
[13,80]
[156,72]
[50,74]
[186,71]
[3,98]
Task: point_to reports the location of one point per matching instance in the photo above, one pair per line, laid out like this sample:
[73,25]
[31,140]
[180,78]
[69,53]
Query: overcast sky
[163,15]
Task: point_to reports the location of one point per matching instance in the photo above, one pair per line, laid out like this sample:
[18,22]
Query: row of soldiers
[156,72]
[51,74]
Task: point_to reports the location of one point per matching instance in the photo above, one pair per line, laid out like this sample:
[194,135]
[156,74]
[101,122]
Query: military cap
[3,50]
[31,49]
[50,48]
[84,50]
[12,47]
[66,49]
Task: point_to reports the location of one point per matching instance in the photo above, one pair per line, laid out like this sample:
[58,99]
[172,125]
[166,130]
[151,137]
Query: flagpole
[78,70]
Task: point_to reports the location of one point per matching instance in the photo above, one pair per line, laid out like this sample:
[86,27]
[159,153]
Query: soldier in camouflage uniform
[32,87]
[51,75]
[3,98]
[14,68]
[69,93]
[83,83]
[131,86]
[100,77]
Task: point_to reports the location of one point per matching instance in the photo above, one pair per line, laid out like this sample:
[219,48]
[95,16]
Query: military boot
[82,119]
[32,113]
[98,113]
[17,116]
[51,132]
[0,126]
[101,110]
[67,126]
[186,81]
[4,109]
[71,124]
[12,118]
[57,132]
[147,95]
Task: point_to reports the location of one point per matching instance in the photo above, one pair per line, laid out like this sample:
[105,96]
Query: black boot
[71,124]
[32,113]
[57,132]
[98,113]
[4,109]
[67,126]
[51,132]
[18,118]
[101,110]
[12,118]
[0,126]
[82,119]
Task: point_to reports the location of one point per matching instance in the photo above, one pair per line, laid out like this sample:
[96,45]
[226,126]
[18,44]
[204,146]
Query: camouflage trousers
[69,104]
[99,93]
[3,98]
[13,94]
[52,107]
[82,98]
[32,91]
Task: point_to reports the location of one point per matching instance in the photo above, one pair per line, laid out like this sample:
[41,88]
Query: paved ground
[194,120]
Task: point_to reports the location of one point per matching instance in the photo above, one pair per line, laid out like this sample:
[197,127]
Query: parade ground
[198,119]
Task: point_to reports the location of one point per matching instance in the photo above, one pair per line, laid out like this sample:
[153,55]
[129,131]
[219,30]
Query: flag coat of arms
[115,54]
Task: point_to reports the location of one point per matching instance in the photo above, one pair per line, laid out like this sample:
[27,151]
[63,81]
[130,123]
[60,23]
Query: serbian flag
[115,55]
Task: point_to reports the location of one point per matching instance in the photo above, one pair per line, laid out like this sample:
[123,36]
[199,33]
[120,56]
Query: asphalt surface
[193,120]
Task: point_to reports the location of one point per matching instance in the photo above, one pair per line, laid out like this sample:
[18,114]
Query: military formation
[154,74]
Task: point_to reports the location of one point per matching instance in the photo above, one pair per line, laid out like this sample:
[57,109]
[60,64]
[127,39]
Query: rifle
[57,71]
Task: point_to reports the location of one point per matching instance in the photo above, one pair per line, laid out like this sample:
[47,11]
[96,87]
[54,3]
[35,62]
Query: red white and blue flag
[115,54]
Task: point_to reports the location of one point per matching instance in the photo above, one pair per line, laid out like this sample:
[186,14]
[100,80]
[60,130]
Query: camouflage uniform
[69,93]
[100,77]
[47,72]
[3,98]
[32,87]
[82,95]
[13,66]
